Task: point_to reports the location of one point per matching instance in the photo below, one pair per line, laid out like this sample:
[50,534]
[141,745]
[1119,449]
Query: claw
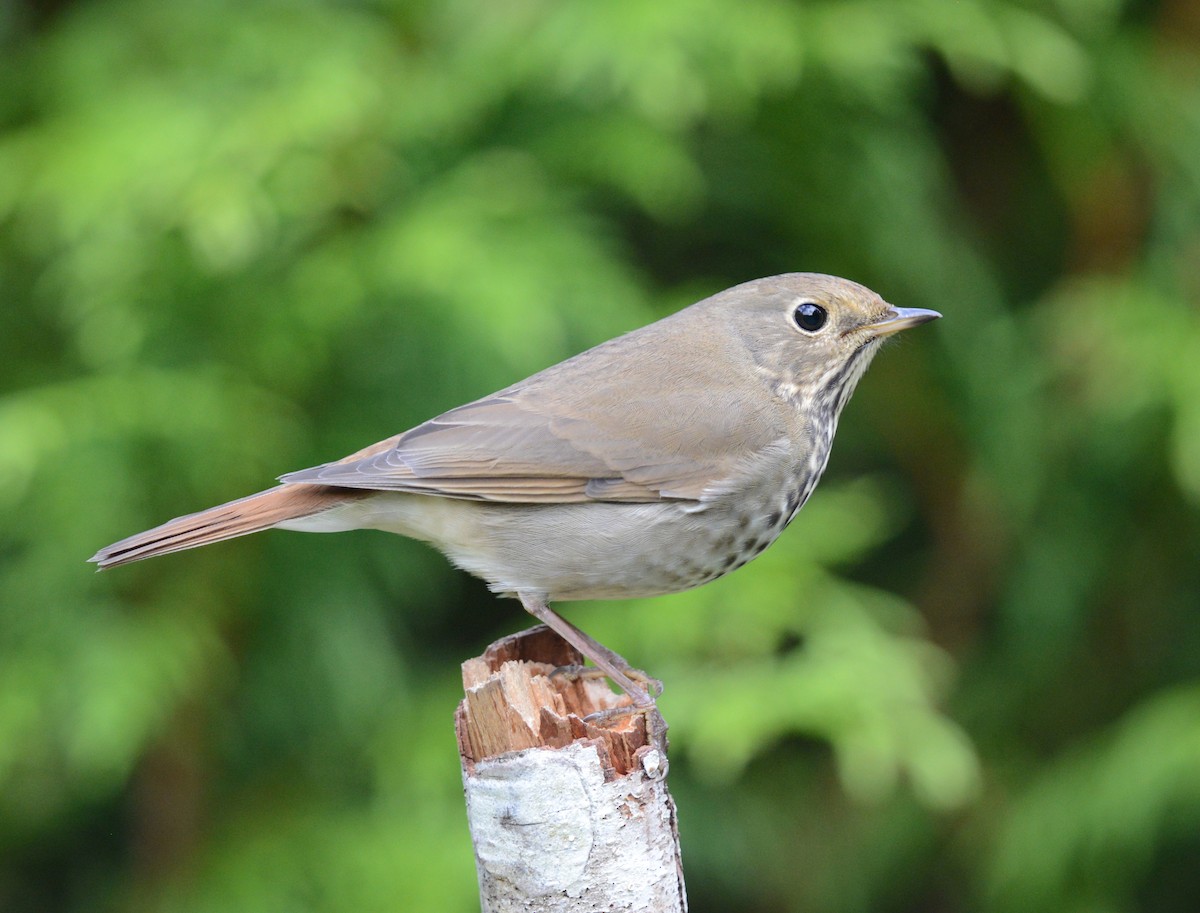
[656,726]
[652,685]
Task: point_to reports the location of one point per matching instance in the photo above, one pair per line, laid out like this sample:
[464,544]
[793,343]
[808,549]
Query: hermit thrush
[653,463]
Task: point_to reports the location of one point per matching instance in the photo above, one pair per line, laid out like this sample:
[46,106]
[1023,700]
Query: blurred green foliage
[242,238]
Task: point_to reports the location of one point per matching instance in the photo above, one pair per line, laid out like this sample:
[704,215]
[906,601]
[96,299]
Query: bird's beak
[897,319]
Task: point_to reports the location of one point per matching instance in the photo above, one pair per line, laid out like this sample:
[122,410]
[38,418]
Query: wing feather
[602,426]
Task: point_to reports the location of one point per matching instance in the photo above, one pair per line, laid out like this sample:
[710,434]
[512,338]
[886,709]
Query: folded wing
[544,441]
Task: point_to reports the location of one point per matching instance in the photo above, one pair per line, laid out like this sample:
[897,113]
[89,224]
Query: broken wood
[566,794]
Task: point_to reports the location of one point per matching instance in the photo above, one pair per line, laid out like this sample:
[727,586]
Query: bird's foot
[653,687]
[654,753]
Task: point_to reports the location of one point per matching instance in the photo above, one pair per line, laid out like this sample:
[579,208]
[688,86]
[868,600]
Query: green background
[243,238]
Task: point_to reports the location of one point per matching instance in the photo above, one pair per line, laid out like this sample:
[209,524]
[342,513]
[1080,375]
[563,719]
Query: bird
[652,463]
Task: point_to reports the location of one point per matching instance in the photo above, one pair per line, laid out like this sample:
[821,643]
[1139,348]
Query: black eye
[810,317]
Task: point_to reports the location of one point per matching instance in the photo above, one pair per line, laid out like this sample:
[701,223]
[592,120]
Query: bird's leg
[610,663]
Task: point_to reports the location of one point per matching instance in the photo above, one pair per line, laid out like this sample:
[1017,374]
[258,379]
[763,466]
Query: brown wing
[601,426]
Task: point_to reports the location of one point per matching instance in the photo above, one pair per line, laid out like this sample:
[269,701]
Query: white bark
[553,835]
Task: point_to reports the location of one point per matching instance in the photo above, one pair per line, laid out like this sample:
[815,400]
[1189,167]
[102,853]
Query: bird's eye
[810,317]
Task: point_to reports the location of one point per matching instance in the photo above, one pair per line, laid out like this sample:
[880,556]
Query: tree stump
[566,813]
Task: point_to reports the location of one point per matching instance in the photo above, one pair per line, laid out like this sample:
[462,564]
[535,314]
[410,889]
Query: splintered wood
[518,697]
[566,813]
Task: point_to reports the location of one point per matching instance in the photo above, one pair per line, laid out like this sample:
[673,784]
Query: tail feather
[226,521]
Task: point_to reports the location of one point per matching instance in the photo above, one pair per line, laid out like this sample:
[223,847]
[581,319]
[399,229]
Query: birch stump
[566,813]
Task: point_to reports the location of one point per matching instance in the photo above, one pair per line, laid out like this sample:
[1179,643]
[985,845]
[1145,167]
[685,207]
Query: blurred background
[242,238]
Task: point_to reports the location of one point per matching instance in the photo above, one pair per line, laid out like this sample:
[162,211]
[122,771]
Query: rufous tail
[226,521]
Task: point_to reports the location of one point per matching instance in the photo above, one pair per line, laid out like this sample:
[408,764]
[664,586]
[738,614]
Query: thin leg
[612,664]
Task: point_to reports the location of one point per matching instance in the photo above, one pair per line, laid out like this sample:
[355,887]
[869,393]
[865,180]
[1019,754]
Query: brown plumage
[654,462]
[251,514]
